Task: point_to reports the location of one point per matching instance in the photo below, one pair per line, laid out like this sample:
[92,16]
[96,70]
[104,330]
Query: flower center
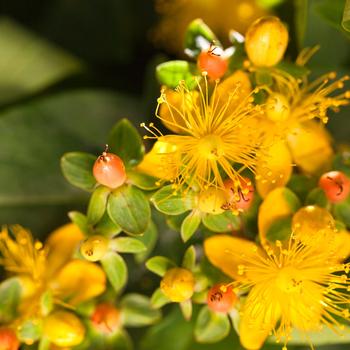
[277,108]
[289,280]
[211,147]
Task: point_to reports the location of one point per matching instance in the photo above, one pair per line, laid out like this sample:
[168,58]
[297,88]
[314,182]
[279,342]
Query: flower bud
[8,339]
[178,284]
[212,200]
[266,41]
[106,318]
[64,329]
[277,108]
[94,248]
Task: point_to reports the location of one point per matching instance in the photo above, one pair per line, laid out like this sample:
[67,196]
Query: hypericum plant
[247,175]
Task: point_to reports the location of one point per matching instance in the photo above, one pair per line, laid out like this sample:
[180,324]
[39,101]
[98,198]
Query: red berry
[109,170]
[240,197]
[106,318]
[335,185]
[8,339]
[221,298]
[212,63]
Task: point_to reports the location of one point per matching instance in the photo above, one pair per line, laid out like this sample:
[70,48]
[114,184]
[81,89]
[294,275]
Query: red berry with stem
[335,185]
[213,63]
[221,298]
[8,339]
[109,170]
[106,318]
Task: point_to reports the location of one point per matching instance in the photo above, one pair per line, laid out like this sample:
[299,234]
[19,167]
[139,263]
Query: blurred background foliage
[70,69]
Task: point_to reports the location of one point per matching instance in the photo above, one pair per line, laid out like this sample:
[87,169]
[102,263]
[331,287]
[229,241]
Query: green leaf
[301,21]
[279,230]
[46,303]
[77,169]
[106,227]
[159,265]
[10,293]
[190,225]
[186,309]
[198,37]
[29,331]
[137,311]
[346,16]
[292,199]
[211,326]
[317,197]
[159,299]
[301,185]
[129,208]
[341,162]
[97,205]
[332,11]
[142,181]
[42,65]
[52,125]
[172,72]
[263,77]
[168,202]
[175,221]
[224,222]
[342,212]
[115,269]
[149,239]
[127,245]
[126,142]
[189,259]
[293,69]
[81,221]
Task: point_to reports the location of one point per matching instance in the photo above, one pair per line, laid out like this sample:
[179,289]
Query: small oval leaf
[137,311]
[115,269]
[211,326]
[77,169]
[126,142]
[224,222]
[167,202]
[97,204]
[159,299]
[142,181]
[149,239]
[10,292]
[129,208]
[190,225]
[189,259]
[159,265]
[127,245]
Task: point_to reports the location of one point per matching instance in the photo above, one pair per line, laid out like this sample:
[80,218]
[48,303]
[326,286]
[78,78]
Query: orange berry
[109,170]
[8,339]
[212,63]
[221,298]
[335,185]
[240,197]
[106,318]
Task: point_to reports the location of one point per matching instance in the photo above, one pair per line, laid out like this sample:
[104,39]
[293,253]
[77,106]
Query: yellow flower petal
[260,314]
[230,253]
[342,244]
[310,145]
[274,169]
[276,205]
[79,281]
[61,245]
[161,161]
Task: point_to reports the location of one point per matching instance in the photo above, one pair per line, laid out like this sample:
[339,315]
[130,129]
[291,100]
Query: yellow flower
[221,16]
[49,268]
[299,283]
[216,134]
[292,108]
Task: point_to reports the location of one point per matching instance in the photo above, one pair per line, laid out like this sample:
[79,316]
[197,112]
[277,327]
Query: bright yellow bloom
[300,283]
[216,134]
[221,16]
[49,268]
[291,110]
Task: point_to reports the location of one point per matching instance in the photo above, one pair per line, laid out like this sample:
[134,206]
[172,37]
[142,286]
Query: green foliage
[97,205]
[149,239]
[189,259]
[81,221]
[127,245]
[279,230]
[129,208]
[137,311]
[115,269]
[172,203]
[10,293]
[211,326]
[171,73]
[159,265]
[142,181]
[77,169]
[346,16]
[224,222]
[190,225]
[126,142]
[342,212]
[30,330]
[317,197]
